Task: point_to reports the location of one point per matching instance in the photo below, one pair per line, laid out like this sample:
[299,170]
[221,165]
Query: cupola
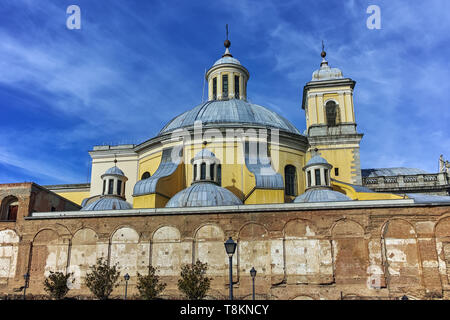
[114,182]
[113,193]
[205,189]
[206,167]
[318,184]
[317,172]
[227,78]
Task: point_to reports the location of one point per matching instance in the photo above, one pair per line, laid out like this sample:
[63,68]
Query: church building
[302,211]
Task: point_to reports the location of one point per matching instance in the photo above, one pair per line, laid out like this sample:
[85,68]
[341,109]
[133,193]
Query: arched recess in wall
[9,208]
[400,254]
[84,252]
[351,255]
[9,241]
[48,253]
[128,253]
[209,248]
[169,253]
[442,234]
[308,259]
[332,113]
[254,250]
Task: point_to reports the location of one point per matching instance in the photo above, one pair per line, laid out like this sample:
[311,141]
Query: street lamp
[253,274]
[26,277]
[126,277]
[230,248]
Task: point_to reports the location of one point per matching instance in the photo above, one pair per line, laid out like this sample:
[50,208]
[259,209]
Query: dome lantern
[206,167]
[318,184]
[113,192]
[114,182]
[317,172]
[205,189]
[227,78]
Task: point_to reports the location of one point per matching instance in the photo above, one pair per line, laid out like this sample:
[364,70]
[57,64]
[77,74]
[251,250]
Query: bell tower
[331,123]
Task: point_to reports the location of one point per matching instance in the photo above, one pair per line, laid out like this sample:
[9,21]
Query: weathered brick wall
[378,253]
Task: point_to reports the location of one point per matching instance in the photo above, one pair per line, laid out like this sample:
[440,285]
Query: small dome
[326,72]
[204,153]
[107,203]
[115,170]
[321,195]
[316,160]
[203,194]
[227,59]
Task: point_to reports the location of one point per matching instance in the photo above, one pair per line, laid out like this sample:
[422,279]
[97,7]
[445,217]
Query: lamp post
[253,275]
[230,248]
[126,277]
[26,277]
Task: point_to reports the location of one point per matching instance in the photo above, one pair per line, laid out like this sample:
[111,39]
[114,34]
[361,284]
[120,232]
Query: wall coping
[254,208]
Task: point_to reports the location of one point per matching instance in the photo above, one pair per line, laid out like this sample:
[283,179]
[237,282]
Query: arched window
[119,187]
[9,208]
[195,172]
[219,174]
[317,176]
[145,175]
[214,88]
[212,172]
[203,171]
[290,178]
[236,87]
[110,186]
[309,178]
[225,86]
[331,111]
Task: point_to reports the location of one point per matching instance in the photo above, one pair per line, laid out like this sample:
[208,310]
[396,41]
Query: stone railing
[420,180]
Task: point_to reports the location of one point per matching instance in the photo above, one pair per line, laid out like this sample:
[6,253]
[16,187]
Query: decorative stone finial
[227,44]
[323,54]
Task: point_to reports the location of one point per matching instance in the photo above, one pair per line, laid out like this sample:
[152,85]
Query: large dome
[233,111]
[203,194]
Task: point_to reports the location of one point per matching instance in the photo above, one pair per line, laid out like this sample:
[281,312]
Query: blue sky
[134,65]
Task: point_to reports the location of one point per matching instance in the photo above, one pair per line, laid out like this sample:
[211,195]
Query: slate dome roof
[234,111]
[107,203]
[227,59]
[203,194]
[115,170]
[316,160]
[321,195]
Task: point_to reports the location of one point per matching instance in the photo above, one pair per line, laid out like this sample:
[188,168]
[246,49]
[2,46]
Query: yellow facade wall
[317,99]
[150,201]
[340,157]
[355,195]
[263,196]
[235,175]
[75,196]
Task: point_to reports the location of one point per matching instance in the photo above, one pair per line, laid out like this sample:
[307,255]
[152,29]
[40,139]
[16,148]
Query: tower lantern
[227,78]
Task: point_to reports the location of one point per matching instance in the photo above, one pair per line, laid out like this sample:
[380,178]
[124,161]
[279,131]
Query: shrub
[56,284]
[102,279]
[149,286]
[194,283]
